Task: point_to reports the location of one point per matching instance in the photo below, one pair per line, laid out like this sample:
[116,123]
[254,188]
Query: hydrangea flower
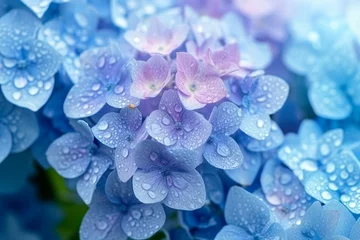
[73,32]
[122,131]
[199,83]
[173,125]
[248,218]
[15,133]
[168,176]
[149,77]
[119,214]
[284,194]
[259,96]
[155,36]
[323,222]
[103,80]
[28,65]
[221,150]
[74,155]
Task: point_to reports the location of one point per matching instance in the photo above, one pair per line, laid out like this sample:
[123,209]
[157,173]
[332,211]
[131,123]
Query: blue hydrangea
[28,65]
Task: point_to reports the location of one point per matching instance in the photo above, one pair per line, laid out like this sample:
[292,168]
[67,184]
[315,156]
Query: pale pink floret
[198,82]
[157,37]
[225,60]
[150,77]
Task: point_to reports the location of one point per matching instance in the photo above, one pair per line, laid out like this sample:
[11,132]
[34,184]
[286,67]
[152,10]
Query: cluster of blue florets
[178,116]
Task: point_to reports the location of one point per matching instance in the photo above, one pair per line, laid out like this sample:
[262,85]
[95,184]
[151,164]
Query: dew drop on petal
[152,194]
[103,125]
[20,82]
[223,150]
[260,123]
[101,224]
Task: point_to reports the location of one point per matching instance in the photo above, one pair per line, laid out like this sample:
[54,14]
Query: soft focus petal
[39,7]
[223,152]
[69,155]
[231,232]
[186,192]
[87,183]
[118,192]
[150,217]
[85,99]
[5,142]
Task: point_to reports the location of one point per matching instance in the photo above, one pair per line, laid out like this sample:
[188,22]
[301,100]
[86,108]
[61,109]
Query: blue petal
[161,127]
[346,220]
[226,118]
[87,183]
[299,57]
[119,192]
[84,129]
[231,232]
[150,186]
[5,142]
[104,62]
[214,187]
[125,162]
[330,142]
[256,125]
[355,231]
[245,210]
[186,191]
[329,101]
[185,159]
[309,133]
[5,106]
[142,221]
[268,94]
[117,129]
[275,231]
[7,69]
[102,222]
[18,122]
[148,153]
[223,152]
[85,99]
[39,7]
[273,140]
[17,27]
[69,155]
[285,193]
[247,172]
[32,96]
[119,95]
[320,187]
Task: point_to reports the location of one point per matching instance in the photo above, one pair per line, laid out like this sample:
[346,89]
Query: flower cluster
[177,116]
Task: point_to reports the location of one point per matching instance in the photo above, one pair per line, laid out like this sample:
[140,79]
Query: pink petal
[189,102]
[187,68]
[226,60]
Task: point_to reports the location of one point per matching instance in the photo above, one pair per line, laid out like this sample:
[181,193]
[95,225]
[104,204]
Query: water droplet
[153,156]
[136,214]
[345,198]
[148,212]
[101,62]
[119,89]
[16,95]
[167,141]
[330,167]
[96,87]
[101,225]
[166,120]
[178,108]
[107,135]
[33,90]
[324,149]
[125,152]
[65,150]
[20,82]
[274,199]
[260,123]
[152,194]
[261,99]
[9,63]
[326,195]
[81,19]
[223,150]
[146,186]
[103,125]
[308,165]
[285,178]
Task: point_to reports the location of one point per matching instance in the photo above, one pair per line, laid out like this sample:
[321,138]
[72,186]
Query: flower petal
[256,125]
[85,99]
[329,101]
[161,126]
[17,27]
[69,155]
[32,95]
[125,162]
[226,118]
[187,191]
[196,130]
[86,185]
[102,222]
[231,232]
[223,152]
[150,186]
[150,217]
[118,192]
[18,122]
[245,210]
[39,7]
